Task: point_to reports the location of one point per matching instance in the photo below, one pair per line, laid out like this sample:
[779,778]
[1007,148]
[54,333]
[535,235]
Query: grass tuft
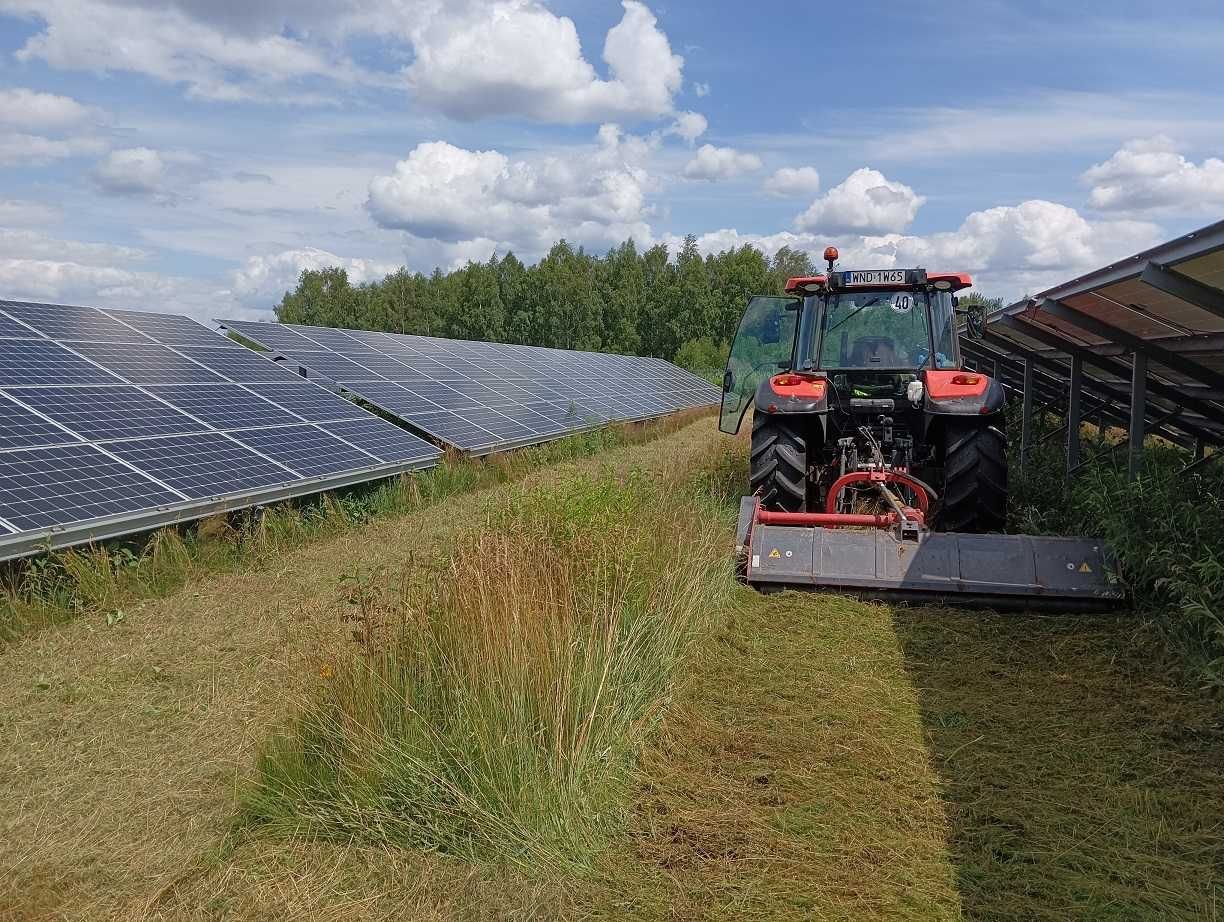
[495,710]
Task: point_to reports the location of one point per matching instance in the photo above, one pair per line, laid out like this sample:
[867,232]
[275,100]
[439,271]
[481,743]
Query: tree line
[684,309]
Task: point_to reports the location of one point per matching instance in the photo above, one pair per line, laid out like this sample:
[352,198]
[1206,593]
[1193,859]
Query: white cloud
[792,182]
[712,164]
[35,150]
[515,57]
[1011,250]
[29,109]
[262,280]
[19,212]
[689,125]
[141,171]
[701,89]
[1149,175]
[175,44]
[451,194]
[28,244]
[864,202]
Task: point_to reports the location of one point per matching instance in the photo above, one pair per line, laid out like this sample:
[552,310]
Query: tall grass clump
[1166,530]
[495,710]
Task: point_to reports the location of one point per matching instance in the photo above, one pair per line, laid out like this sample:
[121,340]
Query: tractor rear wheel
[778,471]
[975,479]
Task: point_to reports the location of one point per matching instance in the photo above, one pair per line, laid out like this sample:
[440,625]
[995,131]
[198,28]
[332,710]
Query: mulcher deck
[1000,571]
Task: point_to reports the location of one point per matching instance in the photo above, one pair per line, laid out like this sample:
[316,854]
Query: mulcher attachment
[894,557]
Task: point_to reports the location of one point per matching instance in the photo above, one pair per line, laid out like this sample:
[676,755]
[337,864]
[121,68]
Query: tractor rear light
[798,386]
[966,380]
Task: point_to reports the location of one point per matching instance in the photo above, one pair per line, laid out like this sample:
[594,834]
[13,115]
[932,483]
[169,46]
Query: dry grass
[494,711]
[826,758]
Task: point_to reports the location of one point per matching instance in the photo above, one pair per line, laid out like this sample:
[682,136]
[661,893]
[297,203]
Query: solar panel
[173,329]
[386,442]
[307,449]
[46,487]
[204,465]
[10,327]
[147,363]
[120,421]
[107,413]
[71,324]
[225,406]
[240,365]
[40,361]
[309,401]
[484,396]
[23,428]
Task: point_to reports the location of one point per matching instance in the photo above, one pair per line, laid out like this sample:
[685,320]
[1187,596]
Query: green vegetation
[627,302]
[62,585]
[1165,528]
[494,709]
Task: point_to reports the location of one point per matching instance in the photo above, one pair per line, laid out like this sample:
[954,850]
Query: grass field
[791,756]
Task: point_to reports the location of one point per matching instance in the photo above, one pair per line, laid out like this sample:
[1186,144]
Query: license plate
[874,277]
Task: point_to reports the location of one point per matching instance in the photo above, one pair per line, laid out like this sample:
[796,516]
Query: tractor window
[877,330]
[764,345]
[943,329]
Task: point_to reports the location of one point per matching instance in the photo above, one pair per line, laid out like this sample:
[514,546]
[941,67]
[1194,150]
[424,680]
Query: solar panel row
[111,414]
[483,397]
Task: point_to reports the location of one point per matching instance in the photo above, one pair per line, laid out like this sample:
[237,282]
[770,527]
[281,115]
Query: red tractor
[865,417]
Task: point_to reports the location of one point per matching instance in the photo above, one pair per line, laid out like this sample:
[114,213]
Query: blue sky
[195,156]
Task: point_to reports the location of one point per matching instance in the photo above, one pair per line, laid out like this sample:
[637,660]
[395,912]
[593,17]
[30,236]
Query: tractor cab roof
[896,279]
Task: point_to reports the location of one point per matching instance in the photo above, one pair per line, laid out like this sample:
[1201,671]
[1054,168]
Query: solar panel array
[483,397]
[114,421]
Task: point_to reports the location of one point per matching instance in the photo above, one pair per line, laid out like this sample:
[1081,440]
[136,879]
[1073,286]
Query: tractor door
[764,344]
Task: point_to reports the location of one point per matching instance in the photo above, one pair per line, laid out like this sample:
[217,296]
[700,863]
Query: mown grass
[494,711]
[60,585]
[1165,528]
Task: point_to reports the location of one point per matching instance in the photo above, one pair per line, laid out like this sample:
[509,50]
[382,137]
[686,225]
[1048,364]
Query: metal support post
[1073,412]
[1026,427]
[1138,405]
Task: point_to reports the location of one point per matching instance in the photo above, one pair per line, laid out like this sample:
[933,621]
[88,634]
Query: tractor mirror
[975,320]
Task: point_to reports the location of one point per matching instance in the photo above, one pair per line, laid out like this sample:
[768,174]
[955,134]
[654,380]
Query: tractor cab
[868,333]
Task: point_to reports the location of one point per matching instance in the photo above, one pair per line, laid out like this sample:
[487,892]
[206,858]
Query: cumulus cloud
[452,194]
[1149,175]
[141,171]
[470,58]
[792,182]
[1011,250]
[262,280]
[713,164]
[689,125]
[22,108]
[864,202]
[179,43]
[24,112]
[516,57]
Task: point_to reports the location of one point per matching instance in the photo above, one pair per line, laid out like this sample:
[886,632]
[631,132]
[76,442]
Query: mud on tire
[778,472]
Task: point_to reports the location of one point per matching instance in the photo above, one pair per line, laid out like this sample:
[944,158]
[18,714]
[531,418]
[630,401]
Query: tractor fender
[768,400]
[943,398]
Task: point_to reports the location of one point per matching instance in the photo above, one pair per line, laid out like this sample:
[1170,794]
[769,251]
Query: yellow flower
[325,671]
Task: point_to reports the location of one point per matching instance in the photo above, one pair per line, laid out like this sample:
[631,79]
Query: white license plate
[874,277]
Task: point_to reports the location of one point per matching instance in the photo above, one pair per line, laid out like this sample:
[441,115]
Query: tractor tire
[975,479]
[778,471]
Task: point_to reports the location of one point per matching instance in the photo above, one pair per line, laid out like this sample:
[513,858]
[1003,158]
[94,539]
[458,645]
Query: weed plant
[495,710]
[60,585]
[1165,528]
